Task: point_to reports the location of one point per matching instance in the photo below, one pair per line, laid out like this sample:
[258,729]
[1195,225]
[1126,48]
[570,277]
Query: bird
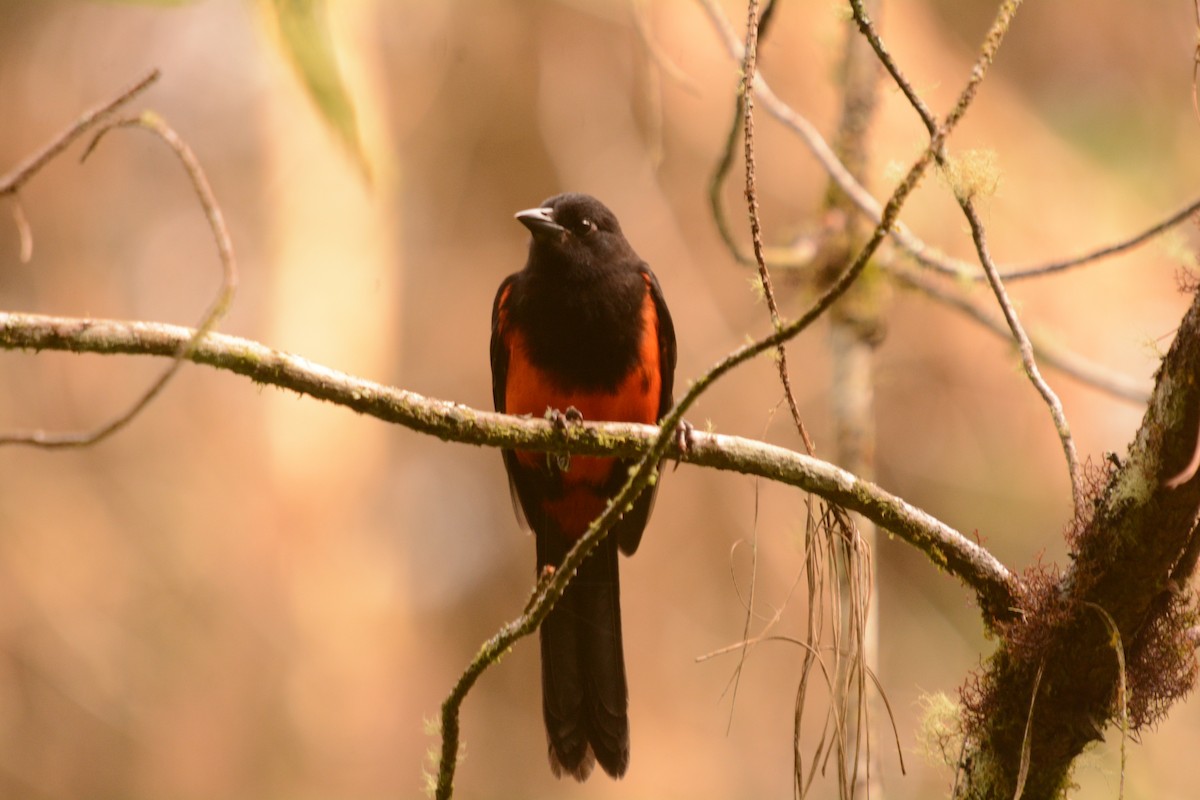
[581,332]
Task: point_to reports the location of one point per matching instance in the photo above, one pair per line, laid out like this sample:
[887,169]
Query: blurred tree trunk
[855,330]
[336,281]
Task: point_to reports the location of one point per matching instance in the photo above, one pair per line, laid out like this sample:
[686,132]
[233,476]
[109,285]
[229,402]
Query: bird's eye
[586,226]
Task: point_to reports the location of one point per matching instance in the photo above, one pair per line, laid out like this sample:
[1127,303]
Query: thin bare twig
[676,73]
[748,603]
[10,184]
[1116,248]
[806,130]
[735,680]
[1196,65]
[1048,352]
[819,553]
[725,164]
[14,180]
[220,305]
[921,252]
[826,673]
[749,69]
[978,235]
[1025,348]
[942,264]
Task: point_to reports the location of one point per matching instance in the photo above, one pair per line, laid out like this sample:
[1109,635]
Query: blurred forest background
[251,595]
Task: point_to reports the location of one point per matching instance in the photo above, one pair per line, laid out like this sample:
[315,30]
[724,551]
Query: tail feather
[584,696]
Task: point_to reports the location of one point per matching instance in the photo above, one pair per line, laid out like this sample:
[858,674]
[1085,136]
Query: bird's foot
[562,421]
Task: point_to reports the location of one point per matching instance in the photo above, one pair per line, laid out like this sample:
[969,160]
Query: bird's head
[575,230]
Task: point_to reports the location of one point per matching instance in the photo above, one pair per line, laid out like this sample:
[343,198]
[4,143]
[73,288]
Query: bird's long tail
[584,696]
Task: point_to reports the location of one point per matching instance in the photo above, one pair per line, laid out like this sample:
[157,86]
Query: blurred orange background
[249,594]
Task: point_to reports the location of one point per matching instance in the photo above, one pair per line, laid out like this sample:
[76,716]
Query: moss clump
[940,733]
[972,174]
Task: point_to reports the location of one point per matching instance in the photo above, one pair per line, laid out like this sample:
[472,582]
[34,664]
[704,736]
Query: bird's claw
[561,421]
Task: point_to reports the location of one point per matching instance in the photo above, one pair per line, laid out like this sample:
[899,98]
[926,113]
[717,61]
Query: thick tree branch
[993,584]
[1133,560]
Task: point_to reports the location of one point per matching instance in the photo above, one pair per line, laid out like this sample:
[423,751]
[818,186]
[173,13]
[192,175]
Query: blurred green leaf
[304,33]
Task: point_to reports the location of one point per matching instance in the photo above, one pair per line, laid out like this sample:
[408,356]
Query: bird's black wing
[629,529]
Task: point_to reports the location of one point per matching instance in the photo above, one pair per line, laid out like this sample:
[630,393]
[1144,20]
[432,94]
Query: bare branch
[10,184]
[664,62]
[967,203]
[1196,64]
[992,582]
[14,180]
[799,124]
[1047,351]
[1028,361]
[922,252]
[749,70]
[1116,248]
[220,305]
[960,268]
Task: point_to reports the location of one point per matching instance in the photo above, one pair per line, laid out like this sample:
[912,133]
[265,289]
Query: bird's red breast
[635,398]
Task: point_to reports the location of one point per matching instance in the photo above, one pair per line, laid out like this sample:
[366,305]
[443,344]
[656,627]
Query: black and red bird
[583,327]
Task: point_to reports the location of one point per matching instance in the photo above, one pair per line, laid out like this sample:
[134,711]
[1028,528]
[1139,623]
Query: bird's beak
[540,222]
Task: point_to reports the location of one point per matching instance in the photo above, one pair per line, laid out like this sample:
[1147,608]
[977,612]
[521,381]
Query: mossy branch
[994,585]
[1133,559]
